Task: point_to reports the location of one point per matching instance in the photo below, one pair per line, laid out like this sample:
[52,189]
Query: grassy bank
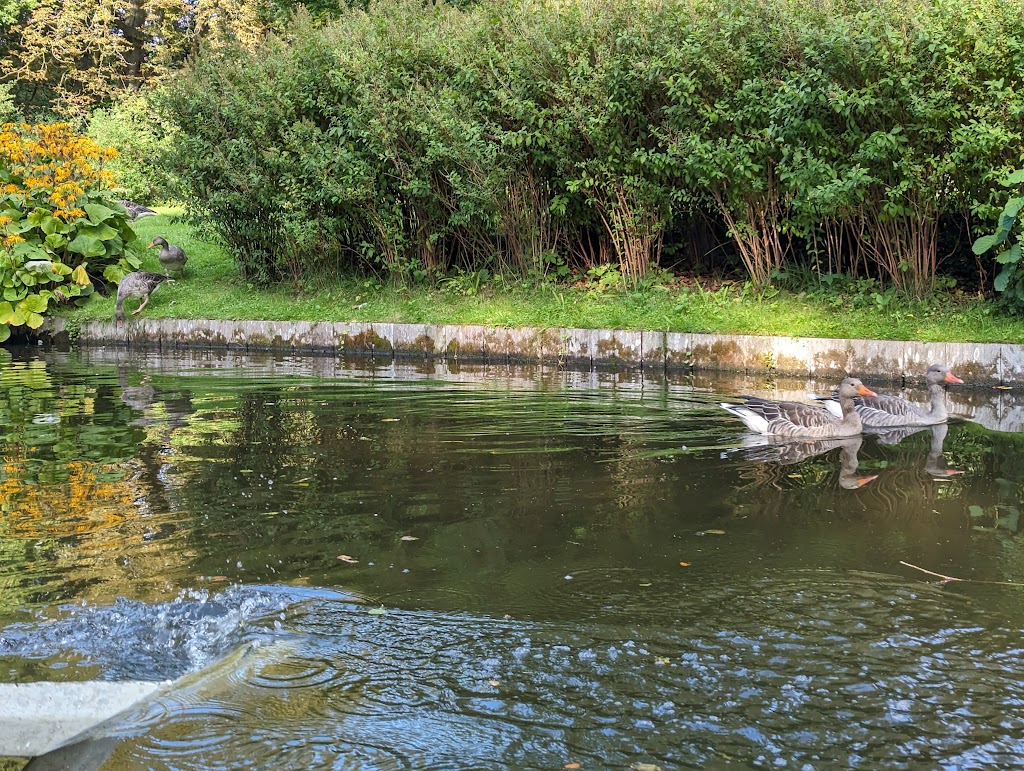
[213,289]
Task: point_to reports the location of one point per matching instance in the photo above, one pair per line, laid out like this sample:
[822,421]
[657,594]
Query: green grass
[213,289]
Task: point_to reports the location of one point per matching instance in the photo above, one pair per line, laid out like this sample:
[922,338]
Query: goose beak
[861,481]
[862,391]
[151,244]
[951,378]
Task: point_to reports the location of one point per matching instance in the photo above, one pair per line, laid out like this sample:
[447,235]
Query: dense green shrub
[142,138]
[518,135]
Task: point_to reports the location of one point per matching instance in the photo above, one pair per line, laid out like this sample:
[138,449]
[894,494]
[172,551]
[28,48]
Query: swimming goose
[892,411]
[796,419]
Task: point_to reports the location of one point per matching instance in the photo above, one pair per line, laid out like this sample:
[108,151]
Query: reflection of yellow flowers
[84,503]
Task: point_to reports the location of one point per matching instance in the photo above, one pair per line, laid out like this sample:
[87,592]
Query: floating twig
[946,578]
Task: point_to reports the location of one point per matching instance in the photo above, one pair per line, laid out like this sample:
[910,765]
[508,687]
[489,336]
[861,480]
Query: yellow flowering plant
[57,215]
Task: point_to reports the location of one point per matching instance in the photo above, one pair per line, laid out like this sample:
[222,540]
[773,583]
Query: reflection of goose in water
[768,450]
[882,411]
[935,463]
[145,397]
[139,397]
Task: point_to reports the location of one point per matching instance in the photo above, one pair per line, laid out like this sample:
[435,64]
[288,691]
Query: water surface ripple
[397,568]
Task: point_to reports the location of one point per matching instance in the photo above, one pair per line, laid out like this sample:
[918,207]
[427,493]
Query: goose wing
[882,411]
[797,413]
[787,419]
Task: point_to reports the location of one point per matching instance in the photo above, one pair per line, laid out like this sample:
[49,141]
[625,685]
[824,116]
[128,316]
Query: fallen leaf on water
[647,584]
[1004,388]
[645,767]
[390,420]
[245,471]
[684,564]
[661,661]
[495,683]
[711,532]
[571,765]
[795,476]
[408,538]
[218,578]
[348,559]
[381,611]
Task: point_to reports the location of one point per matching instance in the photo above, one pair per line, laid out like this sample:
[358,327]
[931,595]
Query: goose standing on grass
[171,257]
[141,284]
[892,411]
[800,420]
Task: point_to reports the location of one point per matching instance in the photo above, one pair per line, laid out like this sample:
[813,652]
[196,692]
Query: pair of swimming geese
[849,409]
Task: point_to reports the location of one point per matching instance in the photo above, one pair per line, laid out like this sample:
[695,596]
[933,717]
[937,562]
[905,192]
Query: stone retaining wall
[976,363]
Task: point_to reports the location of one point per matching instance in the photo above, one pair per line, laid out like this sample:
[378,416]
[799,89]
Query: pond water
[425,566]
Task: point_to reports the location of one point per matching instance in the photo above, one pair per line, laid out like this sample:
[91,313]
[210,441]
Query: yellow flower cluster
[49,162]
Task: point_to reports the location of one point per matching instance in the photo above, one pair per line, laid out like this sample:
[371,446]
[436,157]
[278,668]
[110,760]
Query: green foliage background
[515,136]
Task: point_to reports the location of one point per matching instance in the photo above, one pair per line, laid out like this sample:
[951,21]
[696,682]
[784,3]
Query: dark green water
[398,567]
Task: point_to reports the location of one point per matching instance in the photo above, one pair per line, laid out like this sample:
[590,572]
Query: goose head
[940,373]
[852,387]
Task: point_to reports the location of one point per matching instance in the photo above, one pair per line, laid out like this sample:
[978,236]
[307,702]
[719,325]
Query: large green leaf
[1013,206]
[983,244]
[56,241]
[50,225]
[1003,279]
[33,320]
[87,246]
[1009,256]
[36,216]
[34,303]
[18,317]
[1015,178]
[102,231]
[5,332]
[114,273]
[98,213]
[30,250]
[6,312]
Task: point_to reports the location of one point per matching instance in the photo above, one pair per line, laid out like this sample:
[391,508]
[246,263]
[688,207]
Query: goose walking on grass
[885,411]
[139,284]
[136,210]
[800,420]
[172,258]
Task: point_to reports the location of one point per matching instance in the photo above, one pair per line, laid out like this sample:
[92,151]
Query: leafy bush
[418,138]
[1007,242]
[55,217]
[142,137]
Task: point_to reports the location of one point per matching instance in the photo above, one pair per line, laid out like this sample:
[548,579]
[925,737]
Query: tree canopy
[68,58]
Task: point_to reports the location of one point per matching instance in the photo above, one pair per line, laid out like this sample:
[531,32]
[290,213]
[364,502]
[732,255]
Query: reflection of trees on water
[490,481]
[74,490]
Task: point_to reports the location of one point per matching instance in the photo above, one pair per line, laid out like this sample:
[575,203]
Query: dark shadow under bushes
[415,138]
